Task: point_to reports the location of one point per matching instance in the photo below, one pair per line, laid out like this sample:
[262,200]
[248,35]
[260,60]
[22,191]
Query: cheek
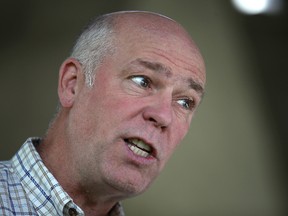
[120,106]
[177,135]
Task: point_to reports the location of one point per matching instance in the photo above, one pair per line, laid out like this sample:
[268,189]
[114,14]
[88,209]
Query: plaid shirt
[28,188]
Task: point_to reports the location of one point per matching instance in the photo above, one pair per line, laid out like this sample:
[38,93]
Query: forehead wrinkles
[194,65]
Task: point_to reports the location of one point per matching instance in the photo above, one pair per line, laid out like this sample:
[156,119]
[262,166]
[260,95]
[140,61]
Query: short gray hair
[94,43]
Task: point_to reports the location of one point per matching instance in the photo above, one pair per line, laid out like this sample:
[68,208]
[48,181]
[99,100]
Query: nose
[159,111]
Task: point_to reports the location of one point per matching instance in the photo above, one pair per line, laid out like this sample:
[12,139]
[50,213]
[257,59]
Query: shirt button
[72,212]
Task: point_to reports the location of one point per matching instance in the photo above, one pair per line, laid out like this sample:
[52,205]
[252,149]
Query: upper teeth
[139,147]
[139,143]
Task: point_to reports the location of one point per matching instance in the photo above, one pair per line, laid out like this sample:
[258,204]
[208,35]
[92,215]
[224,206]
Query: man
[127,96]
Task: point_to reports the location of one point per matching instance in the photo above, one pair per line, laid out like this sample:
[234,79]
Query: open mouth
[139,147]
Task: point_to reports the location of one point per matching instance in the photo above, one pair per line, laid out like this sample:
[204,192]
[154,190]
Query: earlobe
[69,78]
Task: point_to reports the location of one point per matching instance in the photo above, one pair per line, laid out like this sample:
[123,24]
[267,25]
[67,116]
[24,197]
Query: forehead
[162,40]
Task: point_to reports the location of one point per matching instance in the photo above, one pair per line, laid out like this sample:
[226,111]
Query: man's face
[125,128]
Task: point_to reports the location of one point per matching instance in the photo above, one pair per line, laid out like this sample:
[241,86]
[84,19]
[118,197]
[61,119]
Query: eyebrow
[155,66]
[160,68]
[196,86]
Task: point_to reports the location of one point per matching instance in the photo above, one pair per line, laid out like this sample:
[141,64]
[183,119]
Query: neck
[93,197]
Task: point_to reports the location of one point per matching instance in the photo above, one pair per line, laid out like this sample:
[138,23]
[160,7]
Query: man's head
[120,128]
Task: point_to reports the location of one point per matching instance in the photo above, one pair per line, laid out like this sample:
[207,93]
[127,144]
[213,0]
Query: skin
[149,89]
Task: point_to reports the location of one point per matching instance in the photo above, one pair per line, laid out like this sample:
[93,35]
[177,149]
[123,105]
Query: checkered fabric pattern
[28,188]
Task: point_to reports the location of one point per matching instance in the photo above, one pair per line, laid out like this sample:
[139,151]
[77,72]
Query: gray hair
[94,43]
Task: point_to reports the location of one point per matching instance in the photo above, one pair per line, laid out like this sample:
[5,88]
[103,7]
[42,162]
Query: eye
[186,103]
[141,81]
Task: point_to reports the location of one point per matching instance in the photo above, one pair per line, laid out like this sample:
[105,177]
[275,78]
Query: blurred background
[233,161]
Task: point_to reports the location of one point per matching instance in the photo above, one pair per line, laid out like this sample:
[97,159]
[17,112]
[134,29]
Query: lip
[138,159]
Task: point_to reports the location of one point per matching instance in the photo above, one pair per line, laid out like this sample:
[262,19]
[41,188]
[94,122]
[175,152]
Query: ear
[70,80]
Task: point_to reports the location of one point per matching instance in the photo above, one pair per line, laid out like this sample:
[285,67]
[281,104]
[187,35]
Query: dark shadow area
[35,38]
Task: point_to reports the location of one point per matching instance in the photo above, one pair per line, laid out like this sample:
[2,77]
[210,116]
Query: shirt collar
[42,188]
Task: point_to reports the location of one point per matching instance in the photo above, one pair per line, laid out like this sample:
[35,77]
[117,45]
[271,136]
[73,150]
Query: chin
[128,186]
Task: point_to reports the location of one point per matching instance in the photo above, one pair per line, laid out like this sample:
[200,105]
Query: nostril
[156,123]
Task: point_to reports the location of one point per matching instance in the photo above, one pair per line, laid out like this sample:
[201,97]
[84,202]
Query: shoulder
[13,198]
[6,173]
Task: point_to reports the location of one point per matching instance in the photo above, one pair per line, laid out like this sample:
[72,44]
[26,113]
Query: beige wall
[224,167]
